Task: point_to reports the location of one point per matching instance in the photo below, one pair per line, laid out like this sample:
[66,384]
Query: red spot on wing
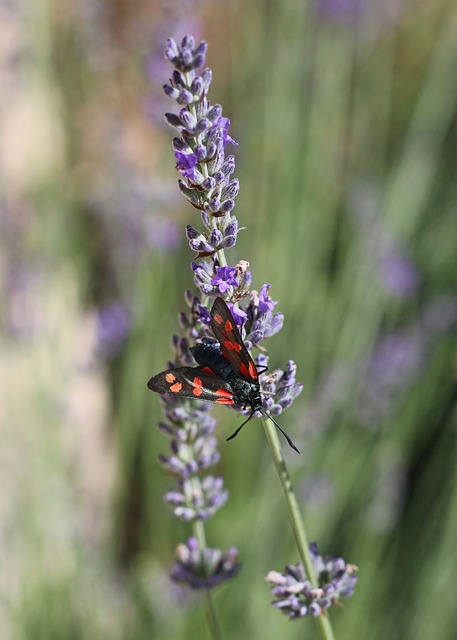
[244,370]
[232,346]
[176,388]
[218,319]
[224,397]
[198,389]
[253,371]
[208,370]
[228,326]
[225,393]
[170,377]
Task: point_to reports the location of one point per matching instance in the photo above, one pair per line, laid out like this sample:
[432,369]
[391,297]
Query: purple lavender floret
[204,568]
[197,501]
[263,323]
[280,388]
[296,597]
[225,278]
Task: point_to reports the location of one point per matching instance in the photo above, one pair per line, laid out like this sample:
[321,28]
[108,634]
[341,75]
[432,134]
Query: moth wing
[232,345]
[192,382]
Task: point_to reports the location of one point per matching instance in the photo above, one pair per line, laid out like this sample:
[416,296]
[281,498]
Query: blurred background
[345,112]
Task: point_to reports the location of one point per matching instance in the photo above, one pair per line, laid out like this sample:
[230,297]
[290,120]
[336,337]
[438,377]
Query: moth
[225,375]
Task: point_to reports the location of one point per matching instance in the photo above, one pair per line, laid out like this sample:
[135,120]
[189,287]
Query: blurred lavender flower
[394,363]
[339,10]
[398,274]
[294,594]
[203,568]
[113,327]
[395,270]
[351,12]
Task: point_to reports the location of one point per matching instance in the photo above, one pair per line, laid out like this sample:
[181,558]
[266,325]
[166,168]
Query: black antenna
[240,427]
[289,440]
[291,444]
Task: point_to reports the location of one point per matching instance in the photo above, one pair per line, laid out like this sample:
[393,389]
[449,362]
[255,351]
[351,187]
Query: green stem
[296,520]
[213,623]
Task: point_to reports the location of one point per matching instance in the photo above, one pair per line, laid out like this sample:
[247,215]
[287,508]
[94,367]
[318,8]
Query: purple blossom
[204,568]
[294,594]
[186,164]
[224,124]
[265,302]
[225,277]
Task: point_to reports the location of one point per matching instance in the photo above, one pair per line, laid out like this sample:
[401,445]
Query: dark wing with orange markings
[192,382]
[232,346]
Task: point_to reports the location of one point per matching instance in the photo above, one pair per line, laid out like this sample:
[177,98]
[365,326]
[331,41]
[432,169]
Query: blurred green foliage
[347,127]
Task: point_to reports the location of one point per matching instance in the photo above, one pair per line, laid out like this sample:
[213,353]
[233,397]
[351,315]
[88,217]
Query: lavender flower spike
[202,135]
[294,594]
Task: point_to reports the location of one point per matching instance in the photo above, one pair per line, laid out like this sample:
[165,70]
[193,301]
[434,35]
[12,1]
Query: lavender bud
[191,194]
[185,97]
[216,163]
[202,125]
[215,238]
[228,166]
[200,152]
[170,91]
[214,113]
[178,80]
[201,49]
[228,241]
[171,50]
[231,190]
[187,58]
[180,145]
[207,78]
[187,119]
[197,87]
[227,206]
[211,150]
[188,42]
[213,205]
[231,228]
[209,183]
[199,61]
[274,325]
[192,233]
[173,120]
[205,219]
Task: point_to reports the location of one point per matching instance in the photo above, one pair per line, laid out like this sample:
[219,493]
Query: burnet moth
[225,376]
